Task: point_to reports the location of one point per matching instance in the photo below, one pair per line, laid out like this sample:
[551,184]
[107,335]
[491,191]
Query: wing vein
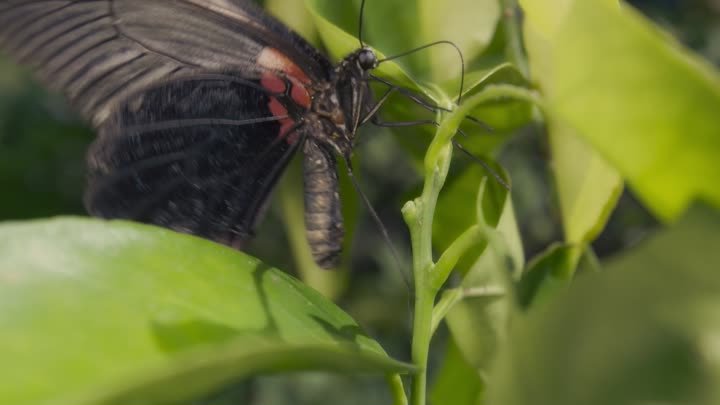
[139,43]
[28,53]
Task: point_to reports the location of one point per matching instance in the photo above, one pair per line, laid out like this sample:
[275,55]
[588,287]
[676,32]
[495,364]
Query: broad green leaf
[644,331]
[457,382]
[588,188]
[395,27]
[332,20]
[96,312]
[295,15]
[469,24]
[647,105]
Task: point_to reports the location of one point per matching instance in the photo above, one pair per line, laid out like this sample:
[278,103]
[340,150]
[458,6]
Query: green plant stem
[422,334]
[397,390]
[450,124]
[513,36]
[448,300]
[419,214]
[452,296]
[419,217]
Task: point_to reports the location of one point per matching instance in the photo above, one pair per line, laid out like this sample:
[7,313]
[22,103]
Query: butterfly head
[366,58]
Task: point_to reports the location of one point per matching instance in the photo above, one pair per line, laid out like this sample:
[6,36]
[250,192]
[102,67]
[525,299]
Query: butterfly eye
[367,59]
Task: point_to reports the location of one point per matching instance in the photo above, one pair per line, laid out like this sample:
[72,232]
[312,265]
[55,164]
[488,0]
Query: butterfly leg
[376,121]
[425,103]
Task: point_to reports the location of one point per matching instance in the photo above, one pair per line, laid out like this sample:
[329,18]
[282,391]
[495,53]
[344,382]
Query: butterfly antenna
[377,220]
[360,24]
[420,48]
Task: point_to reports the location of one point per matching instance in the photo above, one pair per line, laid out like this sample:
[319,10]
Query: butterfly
[198,106]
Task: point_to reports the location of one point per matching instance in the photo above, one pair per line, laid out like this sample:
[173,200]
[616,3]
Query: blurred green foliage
[42,150]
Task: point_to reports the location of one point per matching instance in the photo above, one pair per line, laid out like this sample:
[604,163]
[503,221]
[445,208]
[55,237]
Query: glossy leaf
[295,15]
[648,106]
[395,27]
[588,188]
[337,26]
[469,24]
[96,312]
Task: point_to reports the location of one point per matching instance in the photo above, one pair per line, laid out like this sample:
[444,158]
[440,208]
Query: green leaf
[456,211]
[97,312]
[477,80]
[588,188]
[469,24]
[333,20]
[547,273]
[457,382]
[295,15]
[398,26]
[503,116]
[646,104]
[645,330]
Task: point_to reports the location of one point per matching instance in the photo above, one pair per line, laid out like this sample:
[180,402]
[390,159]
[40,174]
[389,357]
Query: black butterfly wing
[208,173]
[97,52]
[190,135]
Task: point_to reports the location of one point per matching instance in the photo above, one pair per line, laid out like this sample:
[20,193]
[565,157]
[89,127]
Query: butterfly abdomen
[323,216]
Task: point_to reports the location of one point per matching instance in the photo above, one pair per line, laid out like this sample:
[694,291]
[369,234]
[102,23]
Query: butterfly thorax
[339,105]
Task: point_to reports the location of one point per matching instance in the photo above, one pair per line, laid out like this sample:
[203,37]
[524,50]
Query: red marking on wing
[272,82]
[286,124]
[301,96]
[273,59]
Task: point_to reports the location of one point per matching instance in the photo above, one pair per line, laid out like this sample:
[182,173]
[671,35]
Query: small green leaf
[644,331]
[456,211]
[501,115]
[646,104]
[97,312]
[479,322]
[588,187]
